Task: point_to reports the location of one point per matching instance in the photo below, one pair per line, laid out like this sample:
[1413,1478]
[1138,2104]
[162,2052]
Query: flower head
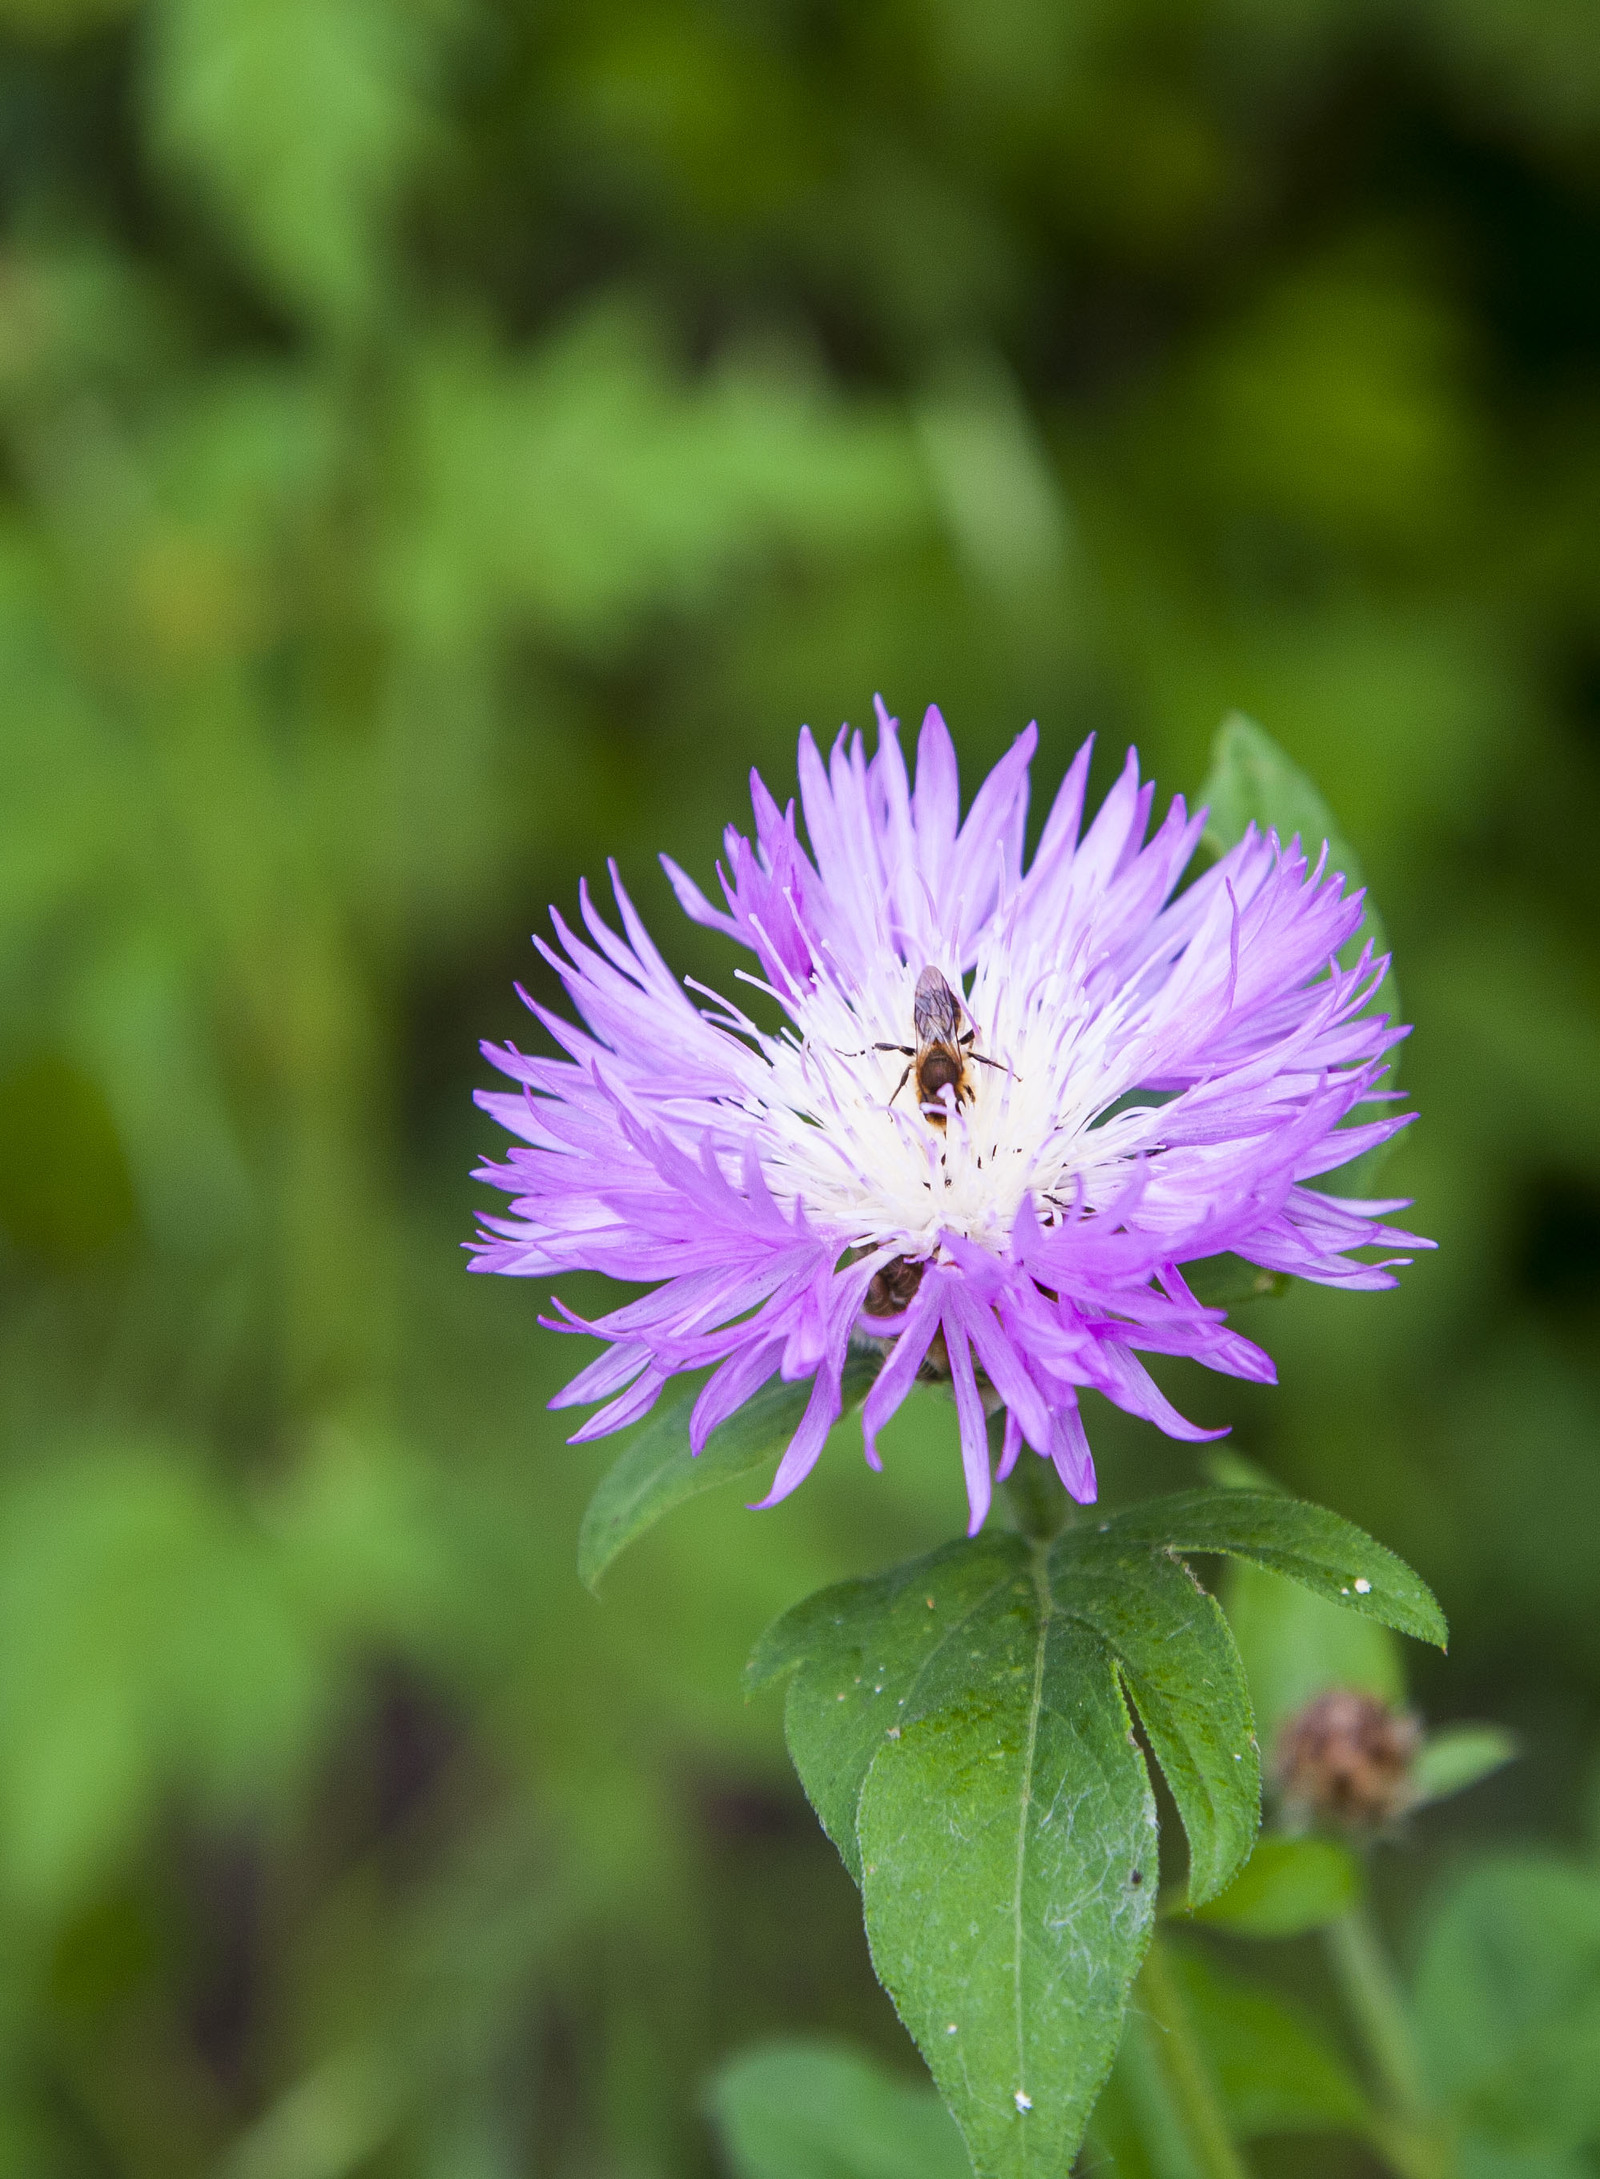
[1007,1106]
[1346,1759]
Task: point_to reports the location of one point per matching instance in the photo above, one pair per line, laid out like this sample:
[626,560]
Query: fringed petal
[1150,1077]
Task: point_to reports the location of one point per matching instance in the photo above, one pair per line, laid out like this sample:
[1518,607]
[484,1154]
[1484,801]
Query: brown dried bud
[1346,1758]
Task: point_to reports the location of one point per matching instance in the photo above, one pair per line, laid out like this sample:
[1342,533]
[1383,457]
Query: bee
[943,1050]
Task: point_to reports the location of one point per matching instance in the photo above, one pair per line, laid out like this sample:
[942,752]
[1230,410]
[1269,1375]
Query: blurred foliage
[443,443]
[817,2110]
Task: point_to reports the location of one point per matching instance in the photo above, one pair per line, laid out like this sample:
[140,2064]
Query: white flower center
[842,1132]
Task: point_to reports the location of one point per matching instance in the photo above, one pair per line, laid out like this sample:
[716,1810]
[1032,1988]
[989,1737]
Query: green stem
[1378,2008]
[1039,1504]
[1205,2126]
[1409,2131]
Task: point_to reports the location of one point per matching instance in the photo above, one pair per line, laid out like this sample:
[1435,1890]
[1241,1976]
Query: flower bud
[1346,1759]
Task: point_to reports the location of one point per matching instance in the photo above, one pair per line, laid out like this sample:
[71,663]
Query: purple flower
[1008,1106]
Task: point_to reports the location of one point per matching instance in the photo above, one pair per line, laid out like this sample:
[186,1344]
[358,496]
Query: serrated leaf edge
[1370,1602]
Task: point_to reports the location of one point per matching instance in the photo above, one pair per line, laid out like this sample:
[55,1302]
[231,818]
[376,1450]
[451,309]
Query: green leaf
[880,1653]
[1273,2069]
[656,1470]
[869,1655]
[960,1726]
[1252,780]
[1287,1887]
[1325,1552]
[1177,1658]
[822,2110]
[1297,1645]
[1009,1857]
[1508,2004]
[966,1744]
[1276,2070]
[1457,1757]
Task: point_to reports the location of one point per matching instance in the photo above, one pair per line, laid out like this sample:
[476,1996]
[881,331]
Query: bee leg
[977,1058]
[904,1050]
[905,1078]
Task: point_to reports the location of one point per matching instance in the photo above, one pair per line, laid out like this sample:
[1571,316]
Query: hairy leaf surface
[1009,1860]
[873,1656]
[1320,1549]
[961,1727]
[1177,1657]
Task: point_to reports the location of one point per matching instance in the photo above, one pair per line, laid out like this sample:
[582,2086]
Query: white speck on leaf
[1363,1587]
[1024,2101]
[893,1733]
[951,2029]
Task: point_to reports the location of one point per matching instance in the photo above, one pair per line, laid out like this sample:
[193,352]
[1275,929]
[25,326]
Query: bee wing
[935,1009]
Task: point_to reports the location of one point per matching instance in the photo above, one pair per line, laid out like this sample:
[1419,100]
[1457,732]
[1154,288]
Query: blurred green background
[445,442]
